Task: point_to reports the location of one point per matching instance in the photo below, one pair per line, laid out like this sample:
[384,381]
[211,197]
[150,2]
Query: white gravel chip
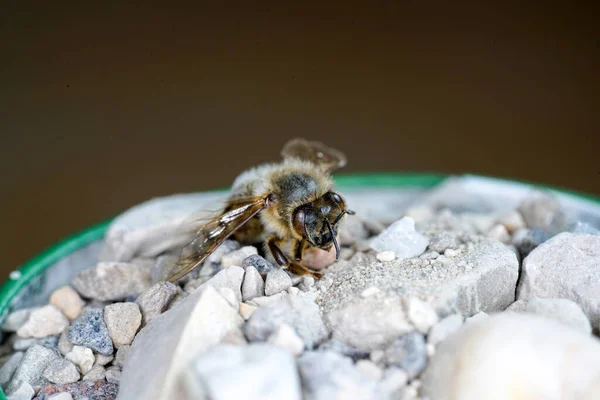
[386,256]
[122,321]
[82,357]
[253,285]
[42,322]
[237,257]
[421,314]
[286,338]
[277,281]
[401,238]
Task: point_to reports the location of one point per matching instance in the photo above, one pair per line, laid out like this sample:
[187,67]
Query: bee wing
[211,234]
[325,157]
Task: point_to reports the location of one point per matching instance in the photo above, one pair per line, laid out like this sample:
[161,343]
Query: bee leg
[298,250]
[272,244]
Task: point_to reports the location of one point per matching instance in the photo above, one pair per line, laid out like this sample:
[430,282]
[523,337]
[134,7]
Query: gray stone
[42,322]
[32,367]
[155,300]
[237,257]
[401,238]
[16,319]
[67,300]
[528,239]
[262,266]
[253,285]
[262,372]
[10,366]
[277,281]
[542,210]
[226,247]
[97,373]
[121,356]
[113,375]
[566,266]
[407,352]
[442,241]
[102,359]
[299,312]
[110,281]
[24,392]
[229,278]
[50,342]
[82,357]
[327,375]
[337,346]
[61,371]
[122,321]
[263,300]
[444,328]
[535,357]
[195,324]
[89,330]
[563,310]
[64,346]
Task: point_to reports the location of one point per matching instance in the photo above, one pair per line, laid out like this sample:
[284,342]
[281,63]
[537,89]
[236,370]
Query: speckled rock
[110,281]
[42,322]
[155,300]
[24,392]
[90,390]
[61,371]
[277,281]
[122,321]
[67,300]
[89,330]
[50,342]
[262,266]
[299,312]
[32,367]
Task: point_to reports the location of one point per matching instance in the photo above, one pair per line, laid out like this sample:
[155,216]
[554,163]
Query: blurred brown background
[104,106]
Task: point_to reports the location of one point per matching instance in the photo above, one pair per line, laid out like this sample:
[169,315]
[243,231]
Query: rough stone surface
[277,281]
[156,299]
[82,357]
[542,210]
[327,375]
[566,266]
[97,373]
[229,278]
[337,346]
[286,338]
[122,321]
[253,285]
[50,342]
[42,322]
[24,392]
[237,257]
[32,367]
[299,312]
[480,316]
[442,241]
[102,359]
[10,366]
[421,314]
[444,328]
[113,375]
[16,319]
[121,356]
[90,390]
[61,371]
[407,352]
[64,346]
[67,300]
[545,360]
[262,372]
[401,238]
[563,310]
[196,323]
[525,240]
[110,281]
[262,266]
[89,330]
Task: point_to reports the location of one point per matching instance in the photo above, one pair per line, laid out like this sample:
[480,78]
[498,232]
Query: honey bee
[287,204]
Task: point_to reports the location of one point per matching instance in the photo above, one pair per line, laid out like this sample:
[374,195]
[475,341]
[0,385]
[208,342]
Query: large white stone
[511,356]
[254,372]
[566,266]
[170,341]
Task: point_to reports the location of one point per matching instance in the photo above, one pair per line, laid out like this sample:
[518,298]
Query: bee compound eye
[298,220]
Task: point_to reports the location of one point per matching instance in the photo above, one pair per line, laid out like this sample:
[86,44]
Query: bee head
[317,221]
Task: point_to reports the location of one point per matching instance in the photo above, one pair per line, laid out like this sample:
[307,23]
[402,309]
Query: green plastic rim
[22,276]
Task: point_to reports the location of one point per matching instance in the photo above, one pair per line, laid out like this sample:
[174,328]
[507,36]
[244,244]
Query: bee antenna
[339,217]
[335,243]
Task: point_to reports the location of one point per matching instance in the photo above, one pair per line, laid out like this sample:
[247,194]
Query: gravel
[262,266]
[402,239]
[237,257]
[277,281]
[407,352]
[10,366]
[156,300]
[34,363]
[122,321]
[82,357]
[90,390]
[42,322]
[253,285]
[89,330]
[231,278]
[110,281]
[67,300]
[61,371]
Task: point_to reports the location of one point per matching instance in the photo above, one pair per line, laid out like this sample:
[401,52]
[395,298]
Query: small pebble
[82,357]
[50,342]
[253,285]
[499,233]
[264,300]
[308,281]
[121,356]
[237,257]
[262,266]
[61,396]
[42,322]
[97,373]
[89,330]
[32,367]
[113,375]
[10,366]
[450,253]
[287,338]
[408,352]
[122,321]
[277,281]
[228,295]
[23,392]
[369,369]
[67,300]
[156,300]
[64,346]
[512,221]
[82,390]
[101,359]
[421,314]
[61,371]
[16,319]
[246,310]
[370,291]
[293,291]
[385,256]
